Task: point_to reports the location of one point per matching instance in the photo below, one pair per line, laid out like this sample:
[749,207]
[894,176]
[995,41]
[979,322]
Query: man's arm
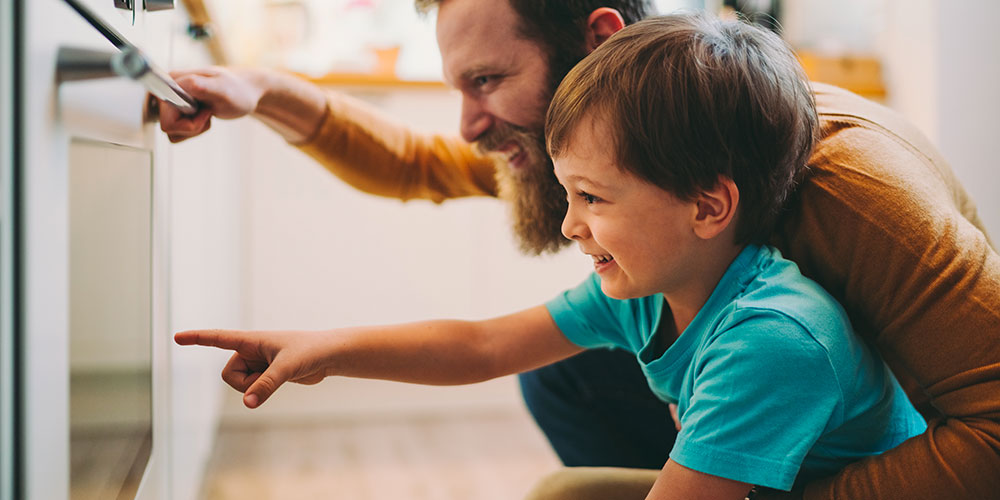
[364,147]
[443,352]
[291,106]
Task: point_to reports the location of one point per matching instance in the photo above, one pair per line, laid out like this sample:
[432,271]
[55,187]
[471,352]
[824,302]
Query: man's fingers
[197,85]
[179,127]
[209,71]
[205,88]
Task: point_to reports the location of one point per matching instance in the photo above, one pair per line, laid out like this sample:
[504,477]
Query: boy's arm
[443,352]
[677,482]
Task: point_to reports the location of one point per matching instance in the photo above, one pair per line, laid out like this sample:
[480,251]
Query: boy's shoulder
[775,291]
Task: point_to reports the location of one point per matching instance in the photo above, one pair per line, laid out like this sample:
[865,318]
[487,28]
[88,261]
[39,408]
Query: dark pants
[597,410]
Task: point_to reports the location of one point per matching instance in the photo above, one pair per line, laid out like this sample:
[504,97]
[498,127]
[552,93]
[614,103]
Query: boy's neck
[686,301]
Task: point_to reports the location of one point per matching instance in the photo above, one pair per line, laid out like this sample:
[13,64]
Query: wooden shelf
[372,80]
[860,74]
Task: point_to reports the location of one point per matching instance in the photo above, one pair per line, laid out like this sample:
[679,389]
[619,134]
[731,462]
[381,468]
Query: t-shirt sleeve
[588,318]
[763,394]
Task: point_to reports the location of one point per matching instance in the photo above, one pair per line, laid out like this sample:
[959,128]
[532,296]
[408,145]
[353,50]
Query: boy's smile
[637,234]
[602,262]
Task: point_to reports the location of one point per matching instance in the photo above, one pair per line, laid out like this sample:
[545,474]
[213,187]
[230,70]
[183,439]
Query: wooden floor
[472,457]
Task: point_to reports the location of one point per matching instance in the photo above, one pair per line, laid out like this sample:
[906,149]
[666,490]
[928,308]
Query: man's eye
[485,81]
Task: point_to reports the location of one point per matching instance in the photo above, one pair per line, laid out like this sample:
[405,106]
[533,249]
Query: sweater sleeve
[882,223]
[377,155]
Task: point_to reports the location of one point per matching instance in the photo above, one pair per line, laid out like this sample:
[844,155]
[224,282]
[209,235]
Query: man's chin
[536,242]
[526,180]
[537,206]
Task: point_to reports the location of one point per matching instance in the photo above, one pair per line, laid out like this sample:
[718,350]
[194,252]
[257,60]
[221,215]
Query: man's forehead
[475,32]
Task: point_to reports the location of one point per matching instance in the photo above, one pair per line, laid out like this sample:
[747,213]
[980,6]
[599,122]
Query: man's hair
[559,26]
[689,98]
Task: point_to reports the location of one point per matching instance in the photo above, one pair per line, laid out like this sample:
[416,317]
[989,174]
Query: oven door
[89,303]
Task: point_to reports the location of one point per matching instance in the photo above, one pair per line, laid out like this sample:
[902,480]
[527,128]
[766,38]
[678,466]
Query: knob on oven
[123,4]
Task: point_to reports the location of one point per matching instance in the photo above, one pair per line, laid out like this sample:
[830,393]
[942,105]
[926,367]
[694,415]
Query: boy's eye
[588,198]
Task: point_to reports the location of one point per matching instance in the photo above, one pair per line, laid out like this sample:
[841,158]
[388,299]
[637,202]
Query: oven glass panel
[110,217]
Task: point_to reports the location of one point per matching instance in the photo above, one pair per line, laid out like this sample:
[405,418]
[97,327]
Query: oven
[83,233]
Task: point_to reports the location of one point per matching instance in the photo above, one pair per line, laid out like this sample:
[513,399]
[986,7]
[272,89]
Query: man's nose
[475,119]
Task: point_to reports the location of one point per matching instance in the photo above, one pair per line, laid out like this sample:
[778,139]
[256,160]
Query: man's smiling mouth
[512,152]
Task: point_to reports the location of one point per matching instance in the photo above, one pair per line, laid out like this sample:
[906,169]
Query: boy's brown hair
[688,98]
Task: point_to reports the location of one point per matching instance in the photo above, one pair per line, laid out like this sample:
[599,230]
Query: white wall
[969,101]
[841,26]
[940,68]
[942,71]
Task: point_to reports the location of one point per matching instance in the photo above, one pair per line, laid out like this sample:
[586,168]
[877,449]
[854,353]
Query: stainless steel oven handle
[131,63]
[84,64]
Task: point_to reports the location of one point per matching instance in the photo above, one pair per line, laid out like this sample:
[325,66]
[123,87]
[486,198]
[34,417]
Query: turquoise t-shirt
[772,386]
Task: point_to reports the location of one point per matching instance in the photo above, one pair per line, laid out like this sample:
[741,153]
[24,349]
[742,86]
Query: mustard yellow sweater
[879,220]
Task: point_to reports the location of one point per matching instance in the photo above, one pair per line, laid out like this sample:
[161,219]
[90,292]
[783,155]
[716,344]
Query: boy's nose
[475,120]
[573,228]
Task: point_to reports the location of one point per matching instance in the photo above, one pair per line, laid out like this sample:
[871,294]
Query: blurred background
[319,254]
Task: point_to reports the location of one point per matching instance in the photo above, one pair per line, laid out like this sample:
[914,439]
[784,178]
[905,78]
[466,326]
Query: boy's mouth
[602,259]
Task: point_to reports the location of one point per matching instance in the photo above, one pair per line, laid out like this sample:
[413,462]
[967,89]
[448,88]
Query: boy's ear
[716,208]
[601,24]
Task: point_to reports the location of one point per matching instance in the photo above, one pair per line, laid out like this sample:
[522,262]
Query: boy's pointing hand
[262,361]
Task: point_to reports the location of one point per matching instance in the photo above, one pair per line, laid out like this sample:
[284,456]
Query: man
[879,220]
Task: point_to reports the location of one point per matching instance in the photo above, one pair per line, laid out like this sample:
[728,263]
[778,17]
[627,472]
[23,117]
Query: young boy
[677,142]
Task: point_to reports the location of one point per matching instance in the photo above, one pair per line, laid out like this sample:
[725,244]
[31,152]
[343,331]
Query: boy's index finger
[232,340]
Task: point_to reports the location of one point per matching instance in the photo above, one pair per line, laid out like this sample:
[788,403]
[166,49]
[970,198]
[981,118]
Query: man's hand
[222,92]
[264,360]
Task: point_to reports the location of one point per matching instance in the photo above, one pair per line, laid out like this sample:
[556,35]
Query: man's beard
[537,200]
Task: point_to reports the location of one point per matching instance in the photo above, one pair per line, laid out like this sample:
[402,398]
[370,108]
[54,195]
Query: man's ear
[716,208]
[601,24]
